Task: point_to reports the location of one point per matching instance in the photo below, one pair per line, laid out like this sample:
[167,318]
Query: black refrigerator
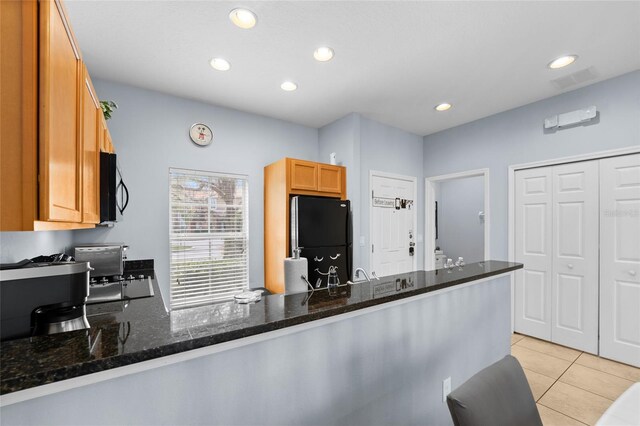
[321,227]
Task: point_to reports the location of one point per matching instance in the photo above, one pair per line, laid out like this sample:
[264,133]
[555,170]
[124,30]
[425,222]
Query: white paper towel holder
[296,269]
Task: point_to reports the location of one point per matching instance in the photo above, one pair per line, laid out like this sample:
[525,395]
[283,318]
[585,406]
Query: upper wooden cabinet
[330,179]
[92,136]
[309,176]
[107,144]
[60,140]
[282,180]
[52,123]
[18,115]
[304,175]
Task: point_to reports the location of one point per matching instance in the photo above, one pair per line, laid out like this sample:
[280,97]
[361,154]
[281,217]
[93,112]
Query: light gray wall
[364,145]
[460,231]
[15,246]
[383,367]
[343,137]
[517,136]
[388,149]
[150,133]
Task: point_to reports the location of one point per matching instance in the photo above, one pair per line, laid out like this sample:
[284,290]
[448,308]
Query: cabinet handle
[570,266]
[632,273]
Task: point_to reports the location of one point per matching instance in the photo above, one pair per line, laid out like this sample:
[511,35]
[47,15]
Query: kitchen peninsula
[395,338]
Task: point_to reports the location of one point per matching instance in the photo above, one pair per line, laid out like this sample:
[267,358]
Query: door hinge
[372,196]
[372,250]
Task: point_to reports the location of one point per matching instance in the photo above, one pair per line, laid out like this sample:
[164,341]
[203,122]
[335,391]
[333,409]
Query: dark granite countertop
[142,330]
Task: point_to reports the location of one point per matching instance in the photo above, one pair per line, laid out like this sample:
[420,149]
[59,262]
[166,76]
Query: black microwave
[114,195]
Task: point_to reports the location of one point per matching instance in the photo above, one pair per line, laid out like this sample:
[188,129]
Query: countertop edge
[90,368]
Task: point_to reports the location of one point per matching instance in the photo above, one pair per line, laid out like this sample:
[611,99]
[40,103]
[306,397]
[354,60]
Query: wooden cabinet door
[108,143]
[60,148]
[102,128]
[18,115]
[304,175]
[92,135]
[329,178]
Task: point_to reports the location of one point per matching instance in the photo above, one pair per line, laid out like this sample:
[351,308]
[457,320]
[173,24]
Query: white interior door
[392,229]
[620,259]
[574,285]
[533,243]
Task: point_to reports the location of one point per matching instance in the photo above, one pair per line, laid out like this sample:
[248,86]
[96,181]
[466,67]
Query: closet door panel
[620,259]
[575,256]
[533,248]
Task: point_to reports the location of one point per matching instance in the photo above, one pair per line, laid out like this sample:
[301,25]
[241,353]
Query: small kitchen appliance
[109,281]
[43,298]
[114,194]
[106,259]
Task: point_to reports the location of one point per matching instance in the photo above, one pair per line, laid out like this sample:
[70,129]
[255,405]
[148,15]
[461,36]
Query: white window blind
[209,236]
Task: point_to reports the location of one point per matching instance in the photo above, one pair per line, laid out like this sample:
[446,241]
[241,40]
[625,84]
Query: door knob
[570,266]
[632,273]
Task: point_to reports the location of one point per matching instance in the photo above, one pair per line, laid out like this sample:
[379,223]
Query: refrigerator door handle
[349,246]
[294,224]
[349,232]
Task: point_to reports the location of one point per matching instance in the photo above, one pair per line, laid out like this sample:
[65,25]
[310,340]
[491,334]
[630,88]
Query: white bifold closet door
[533,226]
[556,294]
[574,286]
[620,259]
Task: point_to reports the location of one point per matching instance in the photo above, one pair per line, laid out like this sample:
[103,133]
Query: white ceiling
[394,60]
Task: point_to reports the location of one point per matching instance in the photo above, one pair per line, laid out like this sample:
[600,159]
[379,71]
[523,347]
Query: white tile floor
[570,387]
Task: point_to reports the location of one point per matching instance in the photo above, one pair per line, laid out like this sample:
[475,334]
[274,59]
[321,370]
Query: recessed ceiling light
[562,61]
[442,107]
[243,18]
[288,86]
[323,54]
[220,64]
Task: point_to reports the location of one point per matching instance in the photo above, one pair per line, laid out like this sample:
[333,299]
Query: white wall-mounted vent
[570,118]
[577,77]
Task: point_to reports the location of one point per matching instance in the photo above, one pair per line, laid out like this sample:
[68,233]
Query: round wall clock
[201,134]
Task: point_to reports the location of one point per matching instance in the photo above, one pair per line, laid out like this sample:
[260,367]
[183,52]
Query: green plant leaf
[107,108]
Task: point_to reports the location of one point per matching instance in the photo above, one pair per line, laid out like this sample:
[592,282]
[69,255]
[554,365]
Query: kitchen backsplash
[15,246]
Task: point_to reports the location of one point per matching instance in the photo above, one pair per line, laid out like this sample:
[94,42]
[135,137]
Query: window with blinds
[208,236]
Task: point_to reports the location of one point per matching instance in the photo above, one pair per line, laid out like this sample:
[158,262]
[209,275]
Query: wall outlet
[446,388]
